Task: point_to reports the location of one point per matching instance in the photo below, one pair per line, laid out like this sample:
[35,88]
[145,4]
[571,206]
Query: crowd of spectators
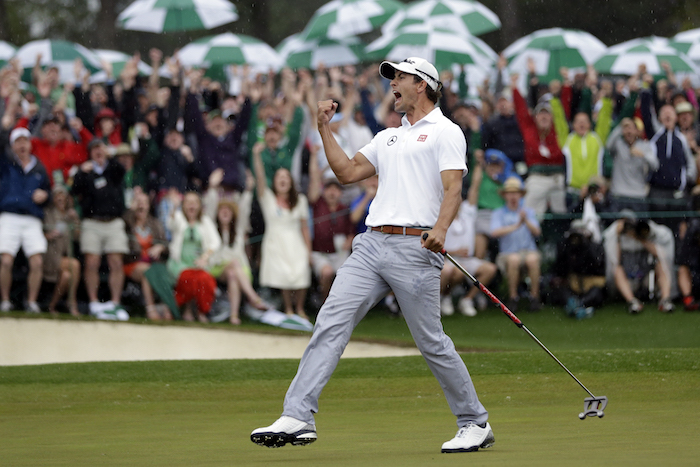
[189,190]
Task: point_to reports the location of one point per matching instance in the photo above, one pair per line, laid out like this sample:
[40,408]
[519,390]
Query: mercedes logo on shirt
[391,141]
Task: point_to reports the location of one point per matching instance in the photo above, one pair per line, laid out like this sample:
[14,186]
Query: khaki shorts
[502,259]
[319,260]
[98,238]
[471,264]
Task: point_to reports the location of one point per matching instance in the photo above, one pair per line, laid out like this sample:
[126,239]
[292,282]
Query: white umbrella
[463,16]
[58,53]
[625,58]
[688,42]
[552,49]
[176,15]
[339,19]
[298,53]
[217,52]
[441,47]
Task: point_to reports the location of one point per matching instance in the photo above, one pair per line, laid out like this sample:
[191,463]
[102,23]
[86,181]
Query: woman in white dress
[286,246]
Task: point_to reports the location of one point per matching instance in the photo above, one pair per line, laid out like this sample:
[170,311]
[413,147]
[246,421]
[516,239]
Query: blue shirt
[520,239]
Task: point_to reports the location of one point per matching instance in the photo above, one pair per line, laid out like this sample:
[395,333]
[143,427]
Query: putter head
[593,407]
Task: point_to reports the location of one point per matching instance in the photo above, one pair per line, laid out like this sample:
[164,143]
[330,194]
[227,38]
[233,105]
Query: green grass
[373,412]
[379,412]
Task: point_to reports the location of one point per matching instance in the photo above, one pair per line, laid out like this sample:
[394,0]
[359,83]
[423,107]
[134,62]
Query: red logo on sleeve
[422,138]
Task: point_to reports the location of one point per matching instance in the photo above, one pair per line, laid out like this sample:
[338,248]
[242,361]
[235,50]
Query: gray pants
[380,263]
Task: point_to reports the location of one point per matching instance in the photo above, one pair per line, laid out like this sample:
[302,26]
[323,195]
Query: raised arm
[347,170]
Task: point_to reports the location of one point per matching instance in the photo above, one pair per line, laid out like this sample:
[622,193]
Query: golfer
[420,167]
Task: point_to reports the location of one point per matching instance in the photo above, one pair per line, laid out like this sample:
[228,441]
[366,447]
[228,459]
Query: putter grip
[425,237]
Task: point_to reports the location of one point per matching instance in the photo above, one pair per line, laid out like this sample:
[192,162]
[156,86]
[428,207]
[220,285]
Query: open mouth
[397,96]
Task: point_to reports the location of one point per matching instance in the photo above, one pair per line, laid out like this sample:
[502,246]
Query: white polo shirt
[462,231]
[409,160]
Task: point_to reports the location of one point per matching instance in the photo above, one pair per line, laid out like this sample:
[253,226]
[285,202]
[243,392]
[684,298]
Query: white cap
[19,132]
[413,66]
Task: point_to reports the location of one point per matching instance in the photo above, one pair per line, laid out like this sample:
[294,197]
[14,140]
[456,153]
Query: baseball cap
[94,143]
[543,107]
[413,66]
[18,133]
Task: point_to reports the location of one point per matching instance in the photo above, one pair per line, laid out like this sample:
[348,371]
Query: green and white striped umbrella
[58,53]
[298,53]
[688,42]
[441,47]
[217,52]
[625,58]
[176,15]
[7,51]
[117,60]
[339,19]
[463,16]
[552,49]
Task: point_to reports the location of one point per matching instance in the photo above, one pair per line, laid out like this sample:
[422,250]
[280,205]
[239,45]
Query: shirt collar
[432,117]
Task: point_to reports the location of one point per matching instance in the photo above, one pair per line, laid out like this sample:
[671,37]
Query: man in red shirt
[57,153]
[333,230]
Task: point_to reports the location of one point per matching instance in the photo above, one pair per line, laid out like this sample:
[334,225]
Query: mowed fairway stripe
[382,412]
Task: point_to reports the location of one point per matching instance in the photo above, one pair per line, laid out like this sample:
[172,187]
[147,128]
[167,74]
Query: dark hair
[433,95]
[293,193]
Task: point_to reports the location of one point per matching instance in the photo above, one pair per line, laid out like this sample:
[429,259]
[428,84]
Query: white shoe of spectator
[466,307]
[447,308]
[6,306]
[32,307]
[481,301]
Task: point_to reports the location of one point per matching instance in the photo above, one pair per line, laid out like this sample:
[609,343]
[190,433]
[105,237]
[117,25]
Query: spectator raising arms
[229,263]
[98,189]
[286,247]
[24,190]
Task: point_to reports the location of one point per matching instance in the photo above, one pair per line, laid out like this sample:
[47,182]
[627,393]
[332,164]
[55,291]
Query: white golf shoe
[466,306]
[447,308]
[470,438]
[285,430]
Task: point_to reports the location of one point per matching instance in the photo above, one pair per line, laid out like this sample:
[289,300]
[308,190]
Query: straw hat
[511,185]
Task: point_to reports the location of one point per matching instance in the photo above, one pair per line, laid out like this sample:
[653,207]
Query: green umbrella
[176,15]
[441,47]
[462,16]
[298,53]
[625,58]
[688,42]
[552,49]
[338,19]
[56,53]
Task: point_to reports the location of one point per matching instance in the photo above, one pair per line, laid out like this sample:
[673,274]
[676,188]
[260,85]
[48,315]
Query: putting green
[381,412]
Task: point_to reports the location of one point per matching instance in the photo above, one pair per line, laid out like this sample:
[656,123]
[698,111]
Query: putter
[592,406]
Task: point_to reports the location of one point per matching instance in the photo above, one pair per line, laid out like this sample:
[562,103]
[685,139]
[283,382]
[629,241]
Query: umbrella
[118,60]
[176,15]
[441,47]
[229,49]
[688,42]
[625,58]
[58,53]
[343,18]
[218,52]
[552,49]
[7,51]
[463,16]
[298,53]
